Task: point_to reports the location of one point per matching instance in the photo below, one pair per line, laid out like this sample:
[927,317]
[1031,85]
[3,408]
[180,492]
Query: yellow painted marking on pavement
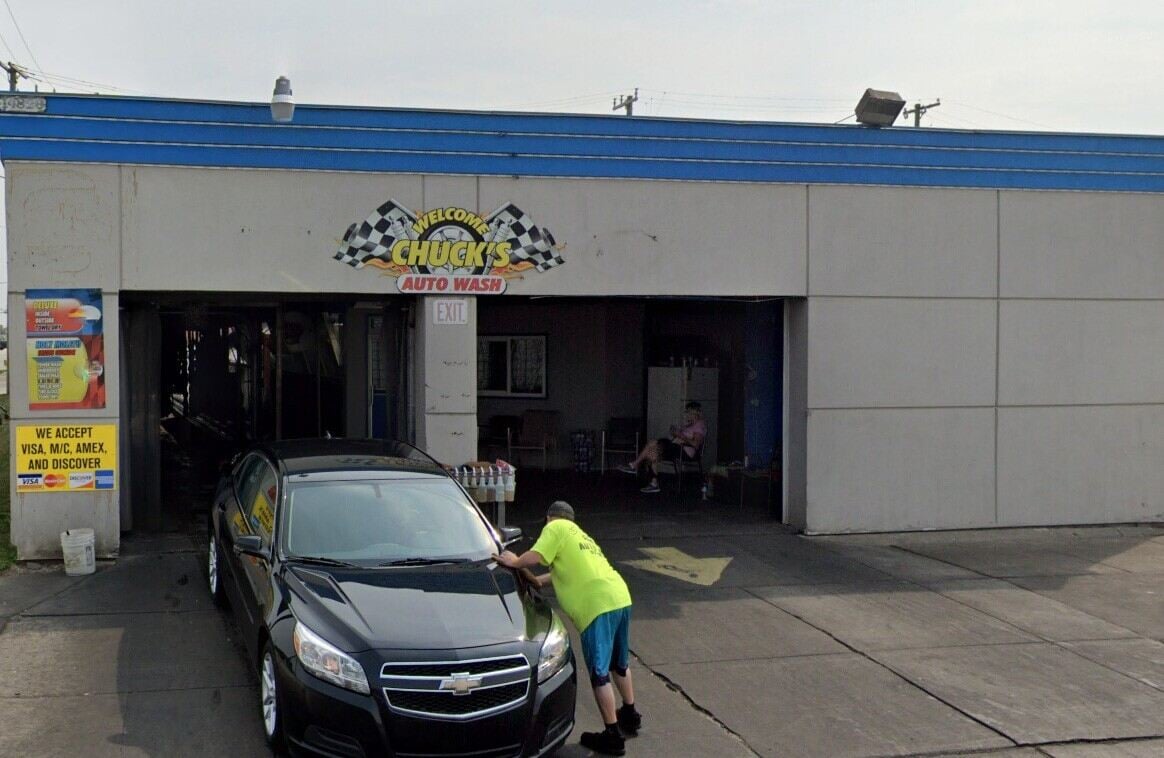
[673,562]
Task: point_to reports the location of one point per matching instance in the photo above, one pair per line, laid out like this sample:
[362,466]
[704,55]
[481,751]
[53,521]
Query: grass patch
[7,551]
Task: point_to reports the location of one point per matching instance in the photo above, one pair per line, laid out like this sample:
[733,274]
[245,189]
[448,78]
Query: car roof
[322,456]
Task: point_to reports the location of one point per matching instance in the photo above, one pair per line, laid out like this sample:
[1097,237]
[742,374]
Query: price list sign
[66,349]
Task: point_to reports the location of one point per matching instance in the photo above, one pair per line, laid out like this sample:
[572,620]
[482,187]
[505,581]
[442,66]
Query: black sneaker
[604,742]
[629,720]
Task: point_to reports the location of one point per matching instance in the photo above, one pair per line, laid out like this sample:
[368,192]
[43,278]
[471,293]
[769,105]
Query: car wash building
[908,329]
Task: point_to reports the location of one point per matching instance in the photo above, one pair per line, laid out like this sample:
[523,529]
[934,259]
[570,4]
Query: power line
[958,121]
[1001,115]
[22,39]
[69,81]
[751,107]
[770,98]
[11,54]
[563,101]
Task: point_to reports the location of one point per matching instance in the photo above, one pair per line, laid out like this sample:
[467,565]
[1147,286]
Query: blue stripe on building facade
[185,133]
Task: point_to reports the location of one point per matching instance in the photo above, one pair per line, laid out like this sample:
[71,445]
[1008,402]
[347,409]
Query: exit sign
[450,311]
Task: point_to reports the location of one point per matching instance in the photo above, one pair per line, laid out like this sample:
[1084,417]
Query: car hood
[416,608]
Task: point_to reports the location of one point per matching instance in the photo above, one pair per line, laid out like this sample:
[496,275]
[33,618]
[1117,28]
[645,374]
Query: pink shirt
[696,430]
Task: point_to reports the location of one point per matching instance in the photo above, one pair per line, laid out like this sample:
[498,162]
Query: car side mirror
[252,545]
[510,535]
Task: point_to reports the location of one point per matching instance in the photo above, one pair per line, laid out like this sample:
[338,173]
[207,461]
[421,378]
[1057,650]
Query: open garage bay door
[205,379]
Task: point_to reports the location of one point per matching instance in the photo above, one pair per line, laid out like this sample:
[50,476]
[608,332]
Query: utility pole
[918,110]
[628,102]
[15,73]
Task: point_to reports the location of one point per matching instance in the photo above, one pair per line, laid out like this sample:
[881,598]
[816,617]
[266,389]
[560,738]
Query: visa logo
[30,480]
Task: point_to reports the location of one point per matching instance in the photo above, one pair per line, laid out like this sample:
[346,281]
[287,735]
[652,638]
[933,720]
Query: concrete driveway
[748,641]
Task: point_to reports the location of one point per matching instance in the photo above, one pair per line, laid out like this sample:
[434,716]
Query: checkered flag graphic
[374,237]
[530,242]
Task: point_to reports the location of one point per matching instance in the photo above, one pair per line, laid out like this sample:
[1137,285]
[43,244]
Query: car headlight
[327,662]
[555,650]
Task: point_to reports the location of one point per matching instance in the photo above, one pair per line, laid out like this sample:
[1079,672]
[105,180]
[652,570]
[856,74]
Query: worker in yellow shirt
[597,600]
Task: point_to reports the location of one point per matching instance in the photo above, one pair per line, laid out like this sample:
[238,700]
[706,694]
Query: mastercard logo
[54,480]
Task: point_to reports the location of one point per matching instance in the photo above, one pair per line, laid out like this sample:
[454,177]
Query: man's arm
[688,435]
[540,580]
[528,559]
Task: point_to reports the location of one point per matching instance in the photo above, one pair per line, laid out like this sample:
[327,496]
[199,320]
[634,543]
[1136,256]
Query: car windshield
[384,522]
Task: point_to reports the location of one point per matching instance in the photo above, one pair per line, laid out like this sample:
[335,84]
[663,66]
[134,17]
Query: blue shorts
[606,645]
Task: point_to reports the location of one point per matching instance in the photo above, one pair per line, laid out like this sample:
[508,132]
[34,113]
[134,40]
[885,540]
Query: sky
[1044,65]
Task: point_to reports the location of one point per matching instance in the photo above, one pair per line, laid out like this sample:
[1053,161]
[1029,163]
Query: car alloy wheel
[214,572]
[269,698]
[212,565]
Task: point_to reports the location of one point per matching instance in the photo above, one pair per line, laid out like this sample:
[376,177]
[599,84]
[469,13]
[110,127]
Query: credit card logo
[81,480]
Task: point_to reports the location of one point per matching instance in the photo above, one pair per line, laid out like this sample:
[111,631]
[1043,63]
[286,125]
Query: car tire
[214,568]
[269,705]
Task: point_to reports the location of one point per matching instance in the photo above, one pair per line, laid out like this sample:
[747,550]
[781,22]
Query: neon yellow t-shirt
[584,581]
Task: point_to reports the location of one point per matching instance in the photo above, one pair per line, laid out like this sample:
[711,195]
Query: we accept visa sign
[66,457]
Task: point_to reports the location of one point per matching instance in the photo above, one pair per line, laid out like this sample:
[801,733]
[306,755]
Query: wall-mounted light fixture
[879,107]
[282,104]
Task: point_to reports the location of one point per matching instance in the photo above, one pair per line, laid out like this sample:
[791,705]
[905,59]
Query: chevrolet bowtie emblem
[461,684]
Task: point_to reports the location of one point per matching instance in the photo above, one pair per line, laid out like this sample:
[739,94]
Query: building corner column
[446,388]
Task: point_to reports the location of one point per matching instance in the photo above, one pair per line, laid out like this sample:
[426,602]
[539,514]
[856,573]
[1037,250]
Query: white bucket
[77,546]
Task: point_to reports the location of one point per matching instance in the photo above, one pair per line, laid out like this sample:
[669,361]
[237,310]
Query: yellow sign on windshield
[262,512]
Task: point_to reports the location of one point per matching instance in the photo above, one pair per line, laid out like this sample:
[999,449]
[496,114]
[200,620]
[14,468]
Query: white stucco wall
[63,232]
[620,237]
[1081,364]
[961,358]
[983,358]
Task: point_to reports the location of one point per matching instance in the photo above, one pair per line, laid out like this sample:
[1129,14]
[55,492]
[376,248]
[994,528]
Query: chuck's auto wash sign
[66,457]
[450,250]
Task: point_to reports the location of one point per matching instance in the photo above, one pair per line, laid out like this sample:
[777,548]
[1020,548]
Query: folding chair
[539,431]
[620,437]
[494,437]
[683,465]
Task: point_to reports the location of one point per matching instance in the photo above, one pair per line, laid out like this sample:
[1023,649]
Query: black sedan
[360,576]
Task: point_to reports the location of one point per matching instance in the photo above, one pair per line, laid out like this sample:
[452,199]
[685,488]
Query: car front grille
[445,704]
[456,690]
[484,666]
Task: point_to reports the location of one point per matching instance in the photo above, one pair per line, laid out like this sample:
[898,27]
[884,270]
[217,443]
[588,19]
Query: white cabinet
[669,390]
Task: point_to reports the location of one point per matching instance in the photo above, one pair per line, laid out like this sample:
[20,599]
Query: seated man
[685,441]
